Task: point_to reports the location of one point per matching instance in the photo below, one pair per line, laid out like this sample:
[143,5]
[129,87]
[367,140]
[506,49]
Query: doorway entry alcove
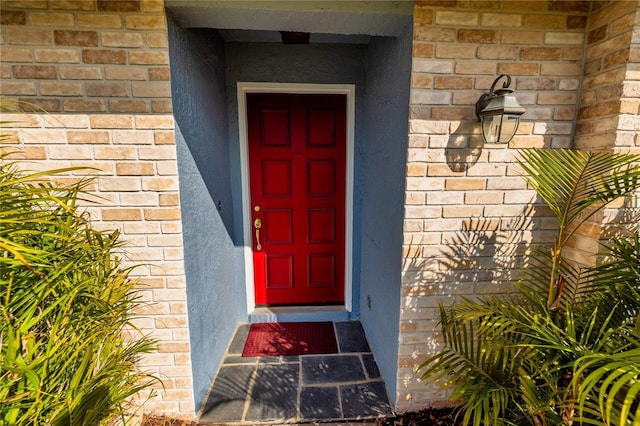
[215,47]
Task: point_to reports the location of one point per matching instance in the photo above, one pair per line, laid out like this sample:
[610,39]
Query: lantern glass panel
[509,127]
[499,128]
[491,128]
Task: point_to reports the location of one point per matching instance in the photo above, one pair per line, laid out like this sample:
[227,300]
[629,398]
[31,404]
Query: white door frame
[343,89]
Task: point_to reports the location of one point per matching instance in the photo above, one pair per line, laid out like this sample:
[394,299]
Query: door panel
[297,165]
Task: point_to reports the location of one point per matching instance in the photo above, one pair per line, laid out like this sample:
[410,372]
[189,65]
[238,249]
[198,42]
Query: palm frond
[576,184]
[66,301]
[617,281]
[612,381]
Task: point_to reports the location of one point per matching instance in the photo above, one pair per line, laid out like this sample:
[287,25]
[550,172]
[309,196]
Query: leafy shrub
[566,348]
[66,303]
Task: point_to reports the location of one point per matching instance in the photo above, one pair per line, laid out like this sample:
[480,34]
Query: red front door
[297,150]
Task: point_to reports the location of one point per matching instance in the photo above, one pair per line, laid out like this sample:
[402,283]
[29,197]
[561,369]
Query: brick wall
[100,70]
[610,100]
[469,216]
[609,115]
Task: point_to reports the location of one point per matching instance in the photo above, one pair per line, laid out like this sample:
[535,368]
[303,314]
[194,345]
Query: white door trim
[248,87]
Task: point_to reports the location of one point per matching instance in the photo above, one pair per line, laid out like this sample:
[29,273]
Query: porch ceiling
[375,18]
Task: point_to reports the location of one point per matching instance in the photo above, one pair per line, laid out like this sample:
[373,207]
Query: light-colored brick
[137,168]
[561,98]
[30,153]
[154,122]
[52,88]
[430,97]
[111,121]
[125,72]
[453,184]
[145,22]
[43,136]
[121,214]
[15,54]
[148,58]
[475,67]
[121,39]
[428,127]
[157,153]
[519,37]
[152,5]
[560,69]
[169,200]
[80,73]
[95,20]
[141,199]
[172,227]
[162,213]
[167,168]
[173,253]
[564,38]
[431,66]
[152,89]
[28,36]
[445,17]
[157,40]
[115,153]
[119,184]
[58,152]
[170,240]
[142,228]
[483,197]
[10,88]
[133,137]
[87,137]
[161,106]
[164,138]
[500,20]
[506,183]
[518,68]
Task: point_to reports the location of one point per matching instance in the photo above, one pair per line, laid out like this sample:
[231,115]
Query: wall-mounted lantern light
[499,112]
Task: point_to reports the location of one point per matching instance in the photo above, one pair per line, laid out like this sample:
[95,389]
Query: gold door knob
[257,224]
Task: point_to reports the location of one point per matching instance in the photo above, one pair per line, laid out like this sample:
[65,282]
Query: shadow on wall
[487,250]
[623,222]
[463,148]
[483,258]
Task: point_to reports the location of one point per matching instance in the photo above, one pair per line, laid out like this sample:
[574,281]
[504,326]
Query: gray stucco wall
[215,300]
[313,63]
[386,111]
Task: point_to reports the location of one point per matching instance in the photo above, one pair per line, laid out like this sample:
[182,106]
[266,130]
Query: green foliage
[65,303]
[565,349]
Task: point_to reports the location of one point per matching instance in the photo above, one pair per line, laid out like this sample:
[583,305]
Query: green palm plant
[65,301]
[545,355]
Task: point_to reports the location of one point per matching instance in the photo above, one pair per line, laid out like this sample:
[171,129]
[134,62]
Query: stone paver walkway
[298,389]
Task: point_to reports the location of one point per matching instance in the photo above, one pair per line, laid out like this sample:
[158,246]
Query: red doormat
[290,338]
